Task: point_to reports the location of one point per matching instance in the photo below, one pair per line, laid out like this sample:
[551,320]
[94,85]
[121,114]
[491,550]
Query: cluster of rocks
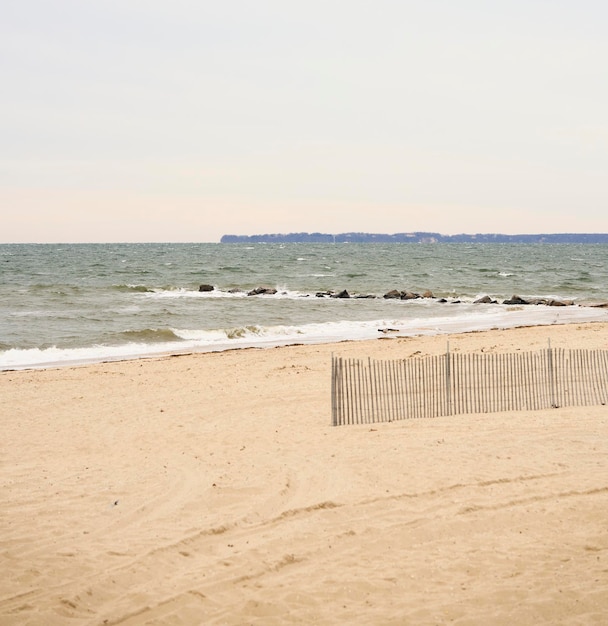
[341,294]
[395,294]
[262,291]
[520,300]
[258,291]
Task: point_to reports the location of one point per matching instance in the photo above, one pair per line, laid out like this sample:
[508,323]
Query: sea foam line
[475,318]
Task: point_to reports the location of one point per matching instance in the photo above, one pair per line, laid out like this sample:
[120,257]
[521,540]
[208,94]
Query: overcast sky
[149,120]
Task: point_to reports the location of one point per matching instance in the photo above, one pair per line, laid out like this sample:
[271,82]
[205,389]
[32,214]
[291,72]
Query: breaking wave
[157,342]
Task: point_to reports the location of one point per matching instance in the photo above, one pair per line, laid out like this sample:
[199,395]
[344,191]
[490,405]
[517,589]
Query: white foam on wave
[36,358]
[190,293]
[33,313]
[282,293]
[469,318]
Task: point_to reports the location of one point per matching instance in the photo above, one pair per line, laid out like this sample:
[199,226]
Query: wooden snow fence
[364,392]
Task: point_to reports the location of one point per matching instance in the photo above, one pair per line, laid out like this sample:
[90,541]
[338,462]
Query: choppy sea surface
[73,303]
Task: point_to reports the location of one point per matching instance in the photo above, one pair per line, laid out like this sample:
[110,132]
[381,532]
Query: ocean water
[75,303]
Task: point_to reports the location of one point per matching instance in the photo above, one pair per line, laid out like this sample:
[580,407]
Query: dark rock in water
[408,295]
[601,305]
[235,290]
[428,294]
[323,294]
[392,294]
[206,288]
[485,300]
[368,296]
[388,330]
[262,291]
[515,300]
[442,300]
[342,294]
[455,302]
[560,303]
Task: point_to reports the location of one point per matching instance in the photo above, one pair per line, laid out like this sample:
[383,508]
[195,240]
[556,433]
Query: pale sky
[142,120]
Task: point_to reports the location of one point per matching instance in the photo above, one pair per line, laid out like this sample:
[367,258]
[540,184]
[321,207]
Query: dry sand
[211,489]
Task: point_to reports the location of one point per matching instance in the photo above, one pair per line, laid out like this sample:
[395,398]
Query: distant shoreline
[417,237]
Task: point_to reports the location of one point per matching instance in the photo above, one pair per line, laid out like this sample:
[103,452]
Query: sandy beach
[212,489]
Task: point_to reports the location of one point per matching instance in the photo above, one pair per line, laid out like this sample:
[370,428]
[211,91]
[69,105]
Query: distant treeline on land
[415,237]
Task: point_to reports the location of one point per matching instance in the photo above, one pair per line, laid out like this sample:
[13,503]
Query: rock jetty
[406,295]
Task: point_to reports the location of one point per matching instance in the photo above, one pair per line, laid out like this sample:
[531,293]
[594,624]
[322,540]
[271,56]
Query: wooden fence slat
[601,379]
[558,369]
[603,359]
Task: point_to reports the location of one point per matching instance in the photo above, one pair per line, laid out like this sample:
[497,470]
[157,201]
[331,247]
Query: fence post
[551,375]
[448,381]
[334,411]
